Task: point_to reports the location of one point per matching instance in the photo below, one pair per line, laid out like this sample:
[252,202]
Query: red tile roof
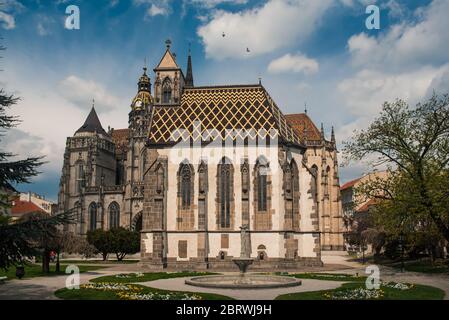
[20,208]
[367,205]
[120,139]
[349,184]
[301,121]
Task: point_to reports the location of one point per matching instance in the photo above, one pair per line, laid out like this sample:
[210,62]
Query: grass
[328,276]
[150,277]
[425,267]
[418,292]
[35,270]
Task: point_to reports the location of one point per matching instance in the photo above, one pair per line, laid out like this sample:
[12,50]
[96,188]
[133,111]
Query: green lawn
[133,278]
[35,270]
[418,292]
[425,267]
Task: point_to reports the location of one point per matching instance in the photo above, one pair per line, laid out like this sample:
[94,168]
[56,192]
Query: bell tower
[170,79]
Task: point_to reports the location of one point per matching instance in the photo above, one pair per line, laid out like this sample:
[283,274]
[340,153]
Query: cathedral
[199,163]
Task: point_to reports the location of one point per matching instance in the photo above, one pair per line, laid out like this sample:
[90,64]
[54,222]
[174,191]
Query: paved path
[42,288]
[178,284]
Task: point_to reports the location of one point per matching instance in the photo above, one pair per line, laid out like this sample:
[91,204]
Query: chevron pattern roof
[211,113]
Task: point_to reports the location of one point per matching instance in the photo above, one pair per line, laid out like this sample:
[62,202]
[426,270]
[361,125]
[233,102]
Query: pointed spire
[144,83]
[92,123]
[189,73]
[305,107]
[333,135]
[322,131]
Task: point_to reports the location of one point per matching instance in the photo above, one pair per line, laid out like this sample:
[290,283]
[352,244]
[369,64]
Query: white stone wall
[274,242]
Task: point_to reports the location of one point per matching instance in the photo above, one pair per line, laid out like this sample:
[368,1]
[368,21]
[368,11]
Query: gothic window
[79,177]
[166,91]
[92,216]
[185,179]
[225,184]
[114,215]
[262,187]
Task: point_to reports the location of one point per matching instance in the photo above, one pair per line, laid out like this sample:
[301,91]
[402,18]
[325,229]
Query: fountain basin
[247,281]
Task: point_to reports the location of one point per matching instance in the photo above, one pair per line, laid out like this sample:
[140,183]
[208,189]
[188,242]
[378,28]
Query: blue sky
[314,51]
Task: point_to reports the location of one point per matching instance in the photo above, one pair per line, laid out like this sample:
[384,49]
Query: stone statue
[244,236]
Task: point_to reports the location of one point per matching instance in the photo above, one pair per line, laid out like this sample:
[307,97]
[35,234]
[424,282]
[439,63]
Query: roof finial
[93,102]
[305,107]
[168,43]
[260,81]
[145,65]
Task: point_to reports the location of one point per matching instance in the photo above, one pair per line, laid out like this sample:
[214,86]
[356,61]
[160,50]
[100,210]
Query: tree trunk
[46,261]
[58,266]
[105,256]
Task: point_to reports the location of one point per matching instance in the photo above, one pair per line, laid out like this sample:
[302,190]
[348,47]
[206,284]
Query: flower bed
[355,294]
[133,292]
[129,275]
[399,286]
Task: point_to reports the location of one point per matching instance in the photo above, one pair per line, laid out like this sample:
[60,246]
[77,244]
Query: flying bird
[223,34]
[247,50]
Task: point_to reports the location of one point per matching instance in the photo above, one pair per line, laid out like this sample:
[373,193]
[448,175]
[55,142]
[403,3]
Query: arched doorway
[136,224]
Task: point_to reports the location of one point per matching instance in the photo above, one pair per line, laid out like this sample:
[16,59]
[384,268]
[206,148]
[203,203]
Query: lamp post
[401,245]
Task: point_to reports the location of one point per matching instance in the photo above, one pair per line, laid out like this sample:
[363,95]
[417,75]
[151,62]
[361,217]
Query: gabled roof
[233,112]
[92,124]
[20,208]
[168,61]
[304,126]
[349,184]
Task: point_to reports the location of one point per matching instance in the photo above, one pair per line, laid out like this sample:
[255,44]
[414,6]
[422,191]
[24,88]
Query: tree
[124,242]
[17,241]
[101,240]
[414,145]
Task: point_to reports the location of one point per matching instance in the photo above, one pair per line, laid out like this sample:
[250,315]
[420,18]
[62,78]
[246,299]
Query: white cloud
[80,93]
[155,7]
[7,21]
[154,10]
[276,24]
[293,63]
[405,45]
[365,92]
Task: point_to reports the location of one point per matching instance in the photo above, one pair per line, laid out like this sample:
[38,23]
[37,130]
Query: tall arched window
[225,185]
[79,177]
[166,91]
[185,176]
[92,216]
[114,215]
[262,188]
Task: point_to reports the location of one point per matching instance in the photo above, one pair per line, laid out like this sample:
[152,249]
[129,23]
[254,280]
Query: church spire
[333,135]
[189,73]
